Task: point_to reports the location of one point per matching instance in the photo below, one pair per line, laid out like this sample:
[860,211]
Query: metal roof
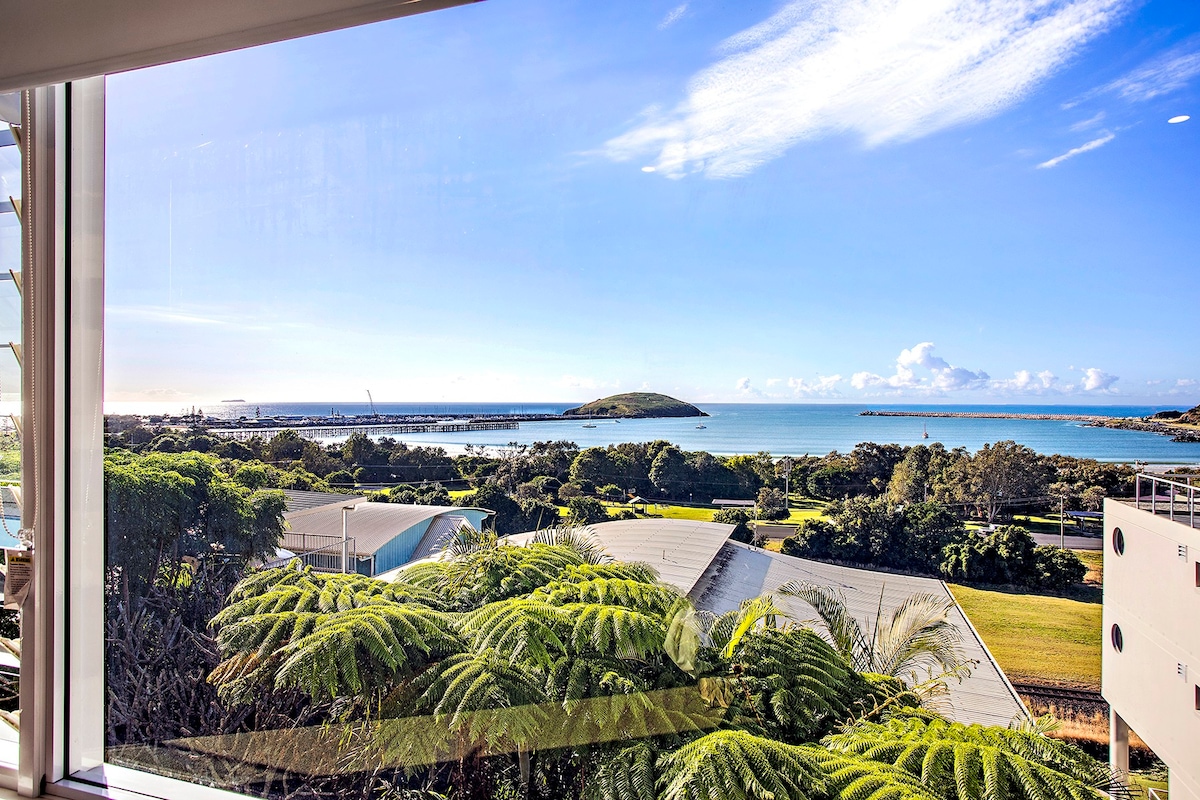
[371,525]
[680,549]
[298,500]
[740,571]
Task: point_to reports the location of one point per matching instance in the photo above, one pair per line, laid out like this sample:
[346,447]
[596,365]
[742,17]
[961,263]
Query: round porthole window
[1118,541]
[1118,639]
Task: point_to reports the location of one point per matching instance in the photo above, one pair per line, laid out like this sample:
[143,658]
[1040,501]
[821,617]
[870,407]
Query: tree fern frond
[735,764]
[973,762]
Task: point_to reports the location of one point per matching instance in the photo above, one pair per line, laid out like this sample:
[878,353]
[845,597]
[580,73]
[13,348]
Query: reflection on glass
[359,546]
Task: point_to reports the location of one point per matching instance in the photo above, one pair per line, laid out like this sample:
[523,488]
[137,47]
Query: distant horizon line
[840,402]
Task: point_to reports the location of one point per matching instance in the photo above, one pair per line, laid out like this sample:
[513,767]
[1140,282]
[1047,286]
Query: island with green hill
[636,405]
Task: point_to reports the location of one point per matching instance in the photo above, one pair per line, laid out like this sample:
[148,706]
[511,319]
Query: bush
[610,492]
[742,532]
[772,504]
[340,478]
[1010,556]
[569,491]
[586,511]
[871,531]
[1058,569]
[622,513]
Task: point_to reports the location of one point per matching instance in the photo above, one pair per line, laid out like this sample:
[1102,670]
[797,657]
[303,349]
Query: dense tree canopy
[579,677]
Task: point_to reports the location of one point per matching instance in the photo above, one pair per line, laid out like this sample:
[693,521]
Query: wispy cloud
[584,382]
[1074,151]
[885,70]
[673,16]
[1090,122]
[174,316]
[1169,72]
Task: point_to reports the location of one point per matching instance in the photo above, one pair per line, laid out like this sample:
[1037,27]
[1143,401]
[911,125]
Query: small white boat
[589,425]
[701,426]
[924,432]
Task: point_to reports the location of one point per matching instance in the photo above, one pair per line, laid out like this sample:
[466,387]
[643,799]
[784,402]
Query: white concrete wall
[1150,592]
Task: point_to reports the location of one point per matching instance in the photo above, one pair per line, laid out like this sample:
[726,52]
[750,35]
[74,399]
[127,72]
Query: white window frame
[61,748]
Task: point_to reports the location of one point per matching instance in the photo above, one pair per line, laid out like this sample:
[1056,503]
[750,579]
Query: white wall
[1150,592]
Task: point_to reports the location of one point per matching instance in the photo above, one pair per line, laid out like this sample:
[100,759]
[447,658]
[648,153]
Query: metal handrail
[1156,794]
[1174,489]
[326,558]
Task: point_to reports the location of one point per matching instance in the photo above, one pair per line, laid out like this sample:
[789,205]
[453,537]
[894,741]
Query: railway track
[1062,694]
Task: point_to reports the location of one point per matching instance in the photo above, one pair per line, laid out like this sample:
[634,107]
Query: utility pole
[345,541]
[786,462]
[1062,533]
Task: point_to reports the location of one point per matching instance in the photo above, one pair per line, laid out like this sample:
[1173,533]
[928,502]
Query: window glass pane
[367,537]
[10,403]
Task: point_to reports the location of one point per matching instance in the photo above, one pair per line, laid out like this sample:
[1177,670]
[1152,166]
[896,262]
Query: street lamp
[345,541]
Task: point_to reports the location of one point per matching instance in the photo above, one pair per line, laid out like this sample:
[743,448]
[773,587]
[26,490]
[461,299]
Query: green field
[1036,637]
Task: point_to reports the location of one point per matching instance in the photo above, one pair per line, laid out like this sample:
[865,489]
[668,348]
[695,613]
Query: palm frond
[835,619]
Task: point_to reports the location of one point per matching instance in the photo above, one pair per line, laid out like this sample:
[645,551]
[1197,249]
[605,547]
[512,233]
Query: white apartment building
[1151,665]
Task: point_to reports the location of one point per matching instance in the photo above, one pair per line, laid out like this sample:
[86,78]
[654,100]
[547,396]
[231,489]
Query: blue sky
[918,200]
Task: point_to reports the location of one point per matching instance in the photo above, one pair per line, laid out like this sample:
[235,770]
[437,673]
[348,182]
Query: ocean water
[786,429]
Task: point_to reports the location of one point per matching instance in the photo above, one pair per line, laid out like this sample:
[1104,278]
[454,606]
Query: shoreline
[994,415]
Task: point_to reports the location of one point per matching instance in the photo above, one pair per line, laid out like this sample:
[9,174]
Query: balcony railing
[322,553]
[1175,496]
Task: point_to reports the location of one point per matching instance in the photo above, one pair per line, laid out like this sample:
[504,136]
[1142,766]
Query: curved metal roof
[371,525]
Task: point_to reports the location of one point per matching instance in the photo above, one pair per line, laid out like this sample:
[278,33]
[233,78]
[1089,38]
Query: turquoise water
[8,531]
[789,429]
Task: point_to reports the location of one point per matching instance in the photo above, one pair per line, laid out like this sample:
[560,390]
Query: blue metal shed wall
[474,517]
[400,547]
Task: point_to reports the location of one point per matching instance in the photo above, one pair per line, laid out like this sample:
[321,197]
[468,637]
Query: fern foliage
[735,765]
[973,762]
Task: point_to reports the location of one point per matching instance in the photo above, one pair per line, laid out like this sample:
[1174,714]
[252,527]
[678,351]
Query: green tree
[593,464]
[771,504]
[161,507]
[1004,473]
[586,511]
[670,472]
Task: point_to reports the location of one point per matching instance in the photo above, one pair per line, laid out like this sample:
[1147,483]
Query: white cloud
[1185,383]
[1090,122]
[1083,148]
[578,382]
[823,386]
[1095,380]
[673,16]
[943,376]
[1167,73]
[1026,382]
[744,387]
[884,70]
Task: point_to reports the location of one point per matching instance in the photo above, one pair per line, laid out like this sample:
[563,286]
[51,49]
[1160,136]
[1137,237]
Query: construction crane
[374,413]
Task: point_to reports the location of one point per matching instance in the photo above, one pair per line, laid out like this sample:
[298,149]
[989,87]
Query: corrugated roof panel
[740,572]
[371,525]
[679,549]
[299,500]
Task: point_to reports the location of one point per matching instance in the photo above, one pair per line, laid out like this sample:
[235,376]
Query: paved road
[1073,542]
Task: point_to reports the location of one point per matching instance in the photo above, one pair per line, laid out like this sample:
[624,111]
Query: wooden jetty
[370,429]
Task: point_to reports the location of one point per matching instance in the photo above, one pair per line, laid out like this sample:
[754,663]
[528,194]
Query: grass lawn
[1094,561]
[1036,637]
